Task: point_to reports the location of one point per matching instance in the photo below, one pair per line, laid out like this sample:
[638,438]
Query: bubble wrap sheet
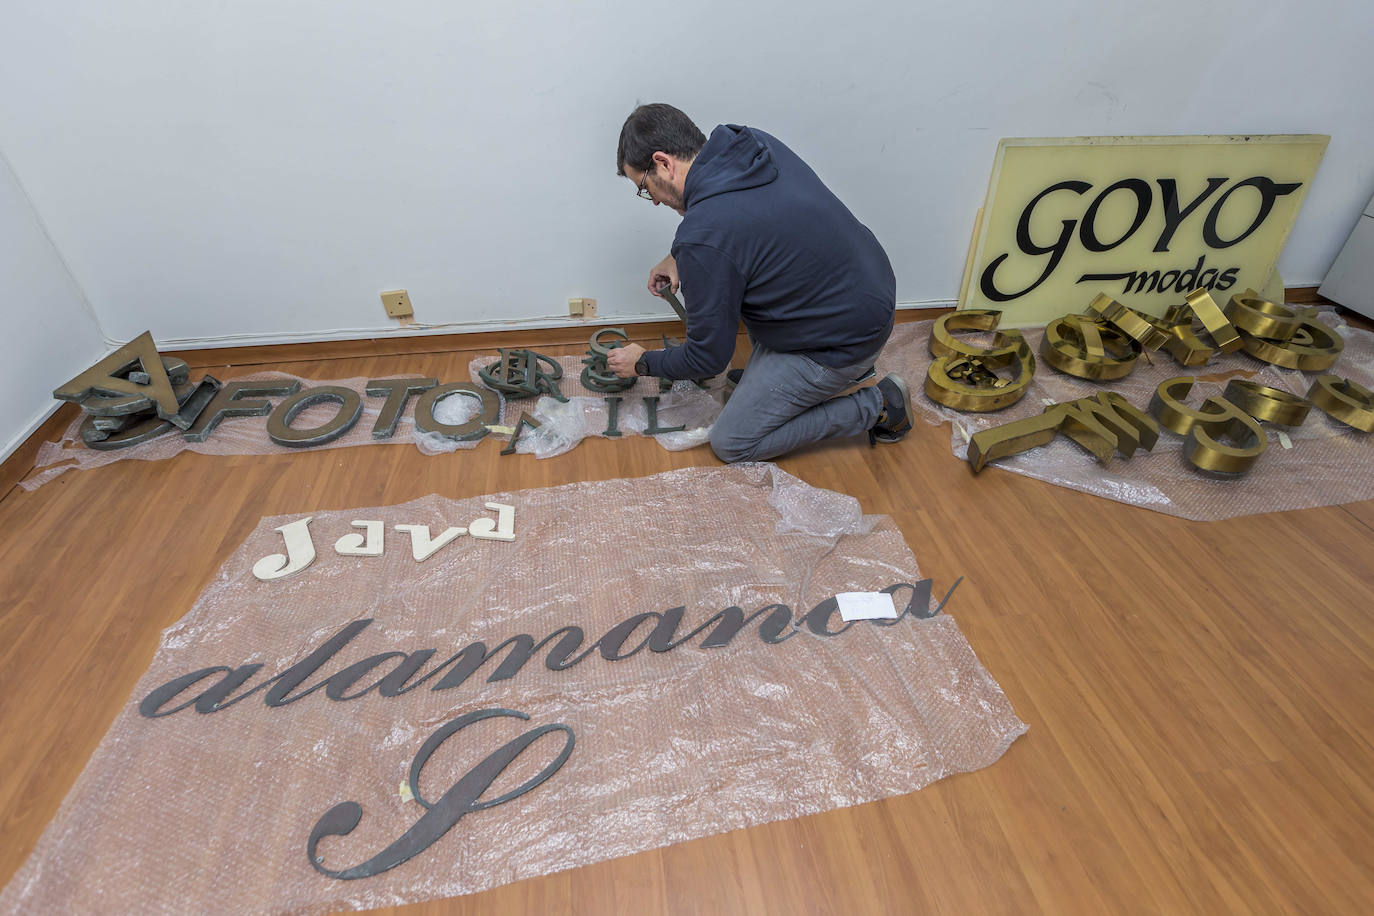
[563,426]
[1324,462]
[211,812]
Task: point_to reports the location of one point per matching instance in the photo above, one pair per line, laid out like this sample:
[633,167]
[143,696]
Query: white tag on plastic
[866,606]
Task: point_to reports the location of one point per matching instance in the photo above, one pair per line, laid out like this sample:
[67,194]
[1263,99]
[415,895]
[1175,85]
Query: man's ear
[663,159]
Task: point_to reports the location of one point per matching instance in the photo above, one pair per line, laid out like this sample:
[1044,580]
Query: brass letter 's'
[961,376]
[1007,345]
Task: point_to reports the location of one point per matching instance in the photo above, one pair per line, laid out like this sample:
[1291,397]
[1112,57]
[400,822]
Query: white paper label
[866,606]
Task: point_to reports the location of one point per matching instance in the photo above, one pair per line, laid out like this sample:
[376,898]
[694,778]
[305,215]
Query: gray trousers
[786,401]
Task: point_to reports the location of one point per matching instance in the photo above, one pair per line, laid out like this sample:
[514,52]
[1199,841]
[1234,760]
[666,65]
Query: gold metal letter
[1265,403]
[1345,401]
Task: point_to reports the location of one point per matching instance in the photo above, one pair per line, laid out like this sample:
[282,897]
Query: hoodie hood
[733,159]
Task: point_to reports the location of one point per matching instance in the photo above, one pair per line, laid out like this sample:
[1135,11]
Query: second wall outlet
[397,303]
[582,307]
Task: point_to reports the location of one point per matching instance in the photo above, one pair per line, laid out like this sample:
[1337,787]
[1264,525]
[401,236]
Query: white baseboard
[927,304]
[49,408]
[461,327]
[391,332]
[23,435]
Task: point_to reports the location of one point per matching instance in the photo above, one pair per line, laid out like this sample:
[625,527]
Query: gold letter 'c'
[1312,348]
[1265,403]
[1345,401]
[1077,345]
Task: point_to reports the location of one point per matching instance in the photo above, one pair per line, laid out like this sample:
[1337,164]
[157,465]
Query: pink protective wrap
[681,730]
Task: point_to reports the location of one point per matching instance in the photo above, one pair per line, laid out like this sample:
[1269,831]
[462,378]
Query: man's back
[815,280]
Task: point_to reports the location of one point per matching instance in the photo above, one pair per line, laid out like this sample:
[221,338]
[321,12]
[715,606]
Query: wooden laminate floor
[1200,696]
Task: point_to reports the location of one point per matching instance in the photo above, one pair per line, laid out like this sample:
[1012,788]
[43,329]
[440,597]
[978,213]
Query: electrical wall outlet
[397,303]
[582,307]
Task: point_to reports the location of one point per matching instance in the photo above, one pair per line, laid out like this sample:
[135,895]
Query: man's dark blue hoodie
[764,240]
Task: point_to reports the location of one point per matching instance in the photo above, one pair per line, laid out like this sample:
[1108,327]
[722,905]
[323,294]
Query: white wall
[262,168]
[51,332]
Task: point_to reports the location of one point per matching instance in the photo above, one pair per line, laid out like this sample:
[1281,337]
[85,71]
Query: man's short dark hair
[656,128]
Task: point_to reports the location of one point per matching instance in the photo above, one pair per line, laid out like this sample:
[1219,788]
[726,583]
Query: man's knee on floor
[731,446]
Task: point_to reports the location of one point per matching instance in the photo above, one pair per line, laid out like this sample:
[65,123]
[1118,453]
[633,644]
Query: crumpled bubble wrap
[454,410]
[210,813]
[1324,462]
[564,425]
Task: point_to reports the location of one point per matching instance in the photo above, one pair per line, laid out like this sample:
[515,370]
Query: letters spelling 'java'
[300,546]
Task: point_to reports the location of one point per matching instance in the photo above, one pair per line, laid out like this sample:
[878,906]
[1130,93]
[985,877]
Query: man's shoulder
[710,227]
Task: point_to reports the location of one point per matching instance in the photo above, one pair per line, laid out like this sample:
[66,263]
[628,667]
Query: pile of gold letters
[1104,344]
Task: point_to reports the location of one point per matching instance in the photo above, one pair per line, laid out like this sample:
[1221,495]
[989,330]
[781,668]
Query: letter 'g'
[462,798]
[1028,246]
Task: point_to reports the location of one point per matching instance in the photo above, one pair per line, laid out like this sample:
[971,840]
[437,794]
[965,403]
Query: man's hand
[664,271]
[622,360]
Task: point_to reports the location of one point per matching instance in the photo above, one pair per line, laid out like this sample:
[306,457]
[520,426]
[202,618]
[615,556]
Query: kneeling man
[763,240]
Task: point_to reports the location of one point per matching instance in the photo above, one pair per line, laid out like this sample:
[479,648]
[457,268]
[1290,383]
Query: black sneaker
[733,376]
[895,420]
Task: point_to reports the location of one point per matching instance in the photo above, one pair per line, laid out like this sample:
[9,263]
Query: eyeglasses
[642,192]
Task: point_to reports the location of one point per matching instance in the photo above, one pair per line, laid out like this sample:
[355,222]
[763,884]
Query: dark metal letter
[463,797]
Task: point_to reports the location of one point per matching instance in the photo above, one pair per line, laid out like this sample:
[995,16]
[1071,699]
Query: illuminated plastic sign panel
[1143,219]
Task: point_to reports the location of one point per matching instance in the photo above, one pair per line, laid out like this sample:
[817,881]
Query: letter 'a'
[104,377]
